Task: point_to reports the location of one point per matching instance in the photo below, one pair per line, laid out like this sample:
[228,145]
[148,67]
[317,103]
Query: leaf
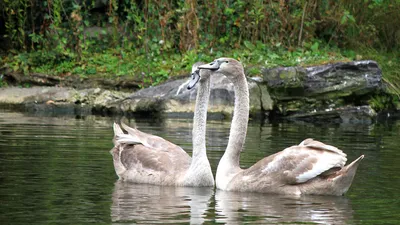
[274,56]
[249,45]
[15,68]
[343,20]
[351,18]
[315,47]
[64,40]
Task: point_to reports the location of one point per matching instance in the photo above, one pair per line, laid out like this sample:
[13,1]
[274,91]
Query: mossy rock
[325,81]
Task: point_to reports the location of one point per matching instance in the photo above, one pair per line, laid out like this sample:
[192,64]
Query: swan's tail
[346,175]
[136,136]
[352,167]
[117,131]
[121,138]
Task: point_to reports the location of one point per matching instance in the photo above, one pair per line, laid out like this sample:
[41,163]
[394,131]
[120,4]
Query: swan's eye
[227,61]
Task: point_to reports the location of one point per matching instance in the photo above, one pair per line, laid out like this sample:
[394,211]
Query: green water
[57,170]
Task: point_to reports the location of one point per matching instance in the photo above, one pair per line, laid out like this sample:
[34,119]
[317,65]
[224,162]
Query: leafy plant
[153,40]
[2,82]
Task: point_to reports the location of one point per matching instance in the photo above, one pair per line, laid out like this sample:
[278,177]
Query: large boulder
[323,82]
[167,98]
[301,92]
[61,99]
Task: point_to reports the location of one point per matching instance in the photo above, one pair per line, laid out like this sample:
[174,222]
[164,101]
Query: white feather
[274,164]
[326,161]
[127,139]
[117,129]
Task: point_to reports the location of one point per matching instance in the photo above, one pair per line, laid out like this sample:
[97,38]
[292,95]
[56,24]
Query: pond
[58,170]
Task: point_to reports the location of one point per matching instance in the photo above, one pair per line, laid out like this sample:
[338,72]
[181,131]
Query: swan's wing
[309,142]
[147,159]
[148,140]
[146,152]
[300,163]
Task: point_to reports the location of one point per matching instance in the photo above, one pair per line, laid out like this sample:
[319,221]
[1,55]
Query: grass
[390,65]
[154,66]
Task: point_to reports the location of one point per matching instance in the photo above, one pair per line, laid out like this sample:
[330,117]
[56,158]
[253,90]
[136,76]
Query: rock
[15,95]
[325,81]
[335,92]
[299,91]
[349,114]
[343,79]
[46,98]
[357,114]
[37,79]
[165,98]
[32,79]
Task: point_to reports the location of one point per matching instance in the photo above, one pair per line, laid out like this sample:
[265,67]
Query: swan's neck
[229,164]
[237,135]
[200,119]
[200,169]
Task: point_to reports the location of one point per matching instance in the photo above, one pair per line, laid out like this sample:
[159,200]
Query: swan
[311,167]
[139,157]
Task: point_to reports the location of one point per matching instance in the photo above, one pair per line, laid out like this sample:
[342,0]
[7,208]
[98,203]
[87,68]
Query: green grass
[390,65]
[154,66]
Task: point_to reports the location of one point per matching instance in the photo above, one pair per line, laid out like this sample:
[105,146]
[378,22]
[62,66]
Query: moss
[150,105]
[383,101]
[284,93]
[309,105]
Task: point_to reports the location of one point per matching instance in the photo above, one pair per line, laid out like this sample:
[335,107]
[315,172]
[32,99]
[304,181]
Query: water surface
[58,170]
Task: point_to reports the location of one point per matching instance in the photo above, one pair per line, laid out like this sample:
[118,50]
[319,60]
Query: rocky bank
[340,92]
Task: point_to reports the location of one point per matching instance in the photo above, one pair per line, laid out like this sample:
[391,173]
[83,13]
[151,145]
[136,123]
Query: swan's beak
[194,80]
[211,66]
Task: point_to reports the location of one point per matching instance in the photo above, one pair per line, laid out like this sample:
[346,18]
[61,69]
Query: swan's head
[227,66]
[198,75]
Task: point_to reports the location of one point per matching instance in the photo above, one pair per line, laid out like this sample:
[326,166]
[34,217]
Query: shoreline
[339,92]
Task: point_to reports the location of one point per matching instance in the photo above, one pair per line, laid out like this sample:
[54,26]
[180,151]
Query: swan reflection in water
[239,207]
[142,203]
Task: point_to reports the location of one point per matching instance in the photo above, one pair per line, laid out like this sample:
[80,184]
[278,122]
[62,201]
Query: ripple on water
[56,170]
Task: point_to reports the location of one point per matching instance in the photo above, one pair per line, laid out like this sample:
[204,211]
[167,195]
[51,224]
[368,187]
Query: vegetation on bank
[153,40]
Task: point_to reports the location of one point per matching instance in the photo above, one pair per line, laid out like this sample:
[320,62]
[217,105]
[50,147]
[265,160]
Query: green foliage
[153,40]
[380,102]
[2,82]
[16,19]
[390,65]
[189,25]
